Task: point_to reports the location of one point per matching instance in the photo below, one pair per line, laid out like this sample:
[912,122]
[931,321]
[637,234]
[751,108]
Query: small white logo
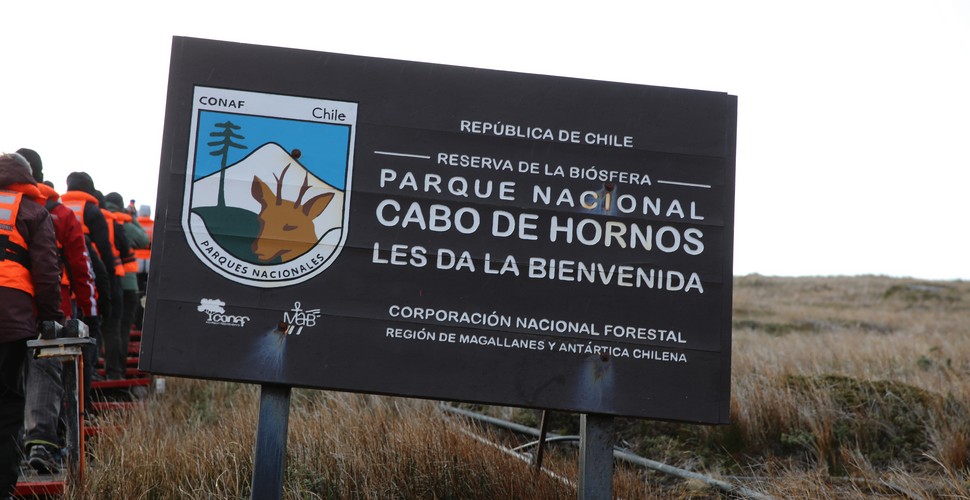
[216,314]
[211,306]
[298,318]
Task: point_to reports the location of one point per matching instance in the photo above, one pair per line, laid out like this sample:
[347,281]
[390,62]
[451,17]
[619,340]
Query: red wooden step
[129,372]
[94,430]
[117,405]
[126,382]
[38,489]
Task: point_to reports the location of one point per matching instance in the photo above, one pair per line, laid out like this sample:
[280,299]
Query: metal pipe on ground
[518,455]
[618,453]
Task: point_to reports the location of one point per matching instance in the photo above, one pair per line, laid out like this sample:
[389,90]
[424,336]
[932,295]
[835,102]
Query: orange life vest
[48,192]
[109,217]
[128,262]
[15,260]
[148,225]
[76,200]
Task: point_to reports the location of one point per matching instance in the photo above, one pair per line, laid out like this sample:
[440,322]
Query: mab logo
[299,318]
[267,185]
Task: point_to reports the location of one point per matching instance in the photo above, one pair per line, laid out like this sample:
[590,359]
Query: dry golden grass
[197,441]
[868,376]
[848,387]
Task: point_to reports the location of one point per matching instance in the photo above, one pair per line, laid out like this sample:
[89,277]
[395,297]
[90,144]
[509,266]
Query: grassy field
[851,387]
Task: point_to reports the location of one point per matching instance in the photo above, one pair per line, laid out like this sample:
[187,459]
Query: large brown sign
[443,232]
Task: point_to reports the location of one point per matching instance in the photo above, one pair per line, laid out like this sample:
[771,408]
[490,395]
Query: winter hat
[114,199]
[36,166]
[80,181]
[18,159]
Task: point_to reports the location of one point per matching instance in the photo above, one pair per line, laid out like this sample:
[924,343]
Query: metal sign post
[595,457]
[270,455]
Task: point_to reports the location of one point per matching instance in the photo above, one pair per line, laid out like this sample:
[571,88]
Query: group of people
[74,254]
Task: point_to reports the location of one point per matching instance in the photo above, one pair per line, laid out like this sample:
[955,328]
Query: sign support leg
[543,430]
[595,457]
[274,418]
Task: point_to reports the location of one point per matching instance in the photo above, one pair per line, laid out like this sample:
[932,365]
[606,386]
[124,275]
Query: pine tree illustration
[227,136]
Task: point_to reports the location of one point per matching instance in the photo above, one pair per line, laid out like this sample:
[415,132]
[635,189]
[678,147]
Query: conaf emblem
[267,184]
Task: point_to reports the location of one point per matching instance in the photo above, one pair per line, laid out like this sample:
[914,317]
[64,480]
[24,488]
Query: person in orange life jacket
[128,234]
[146,222]
[80,198]
[137,235]
[143,255]
[46,377]
[102,280]
[30,282]
[141,242]
[114,358]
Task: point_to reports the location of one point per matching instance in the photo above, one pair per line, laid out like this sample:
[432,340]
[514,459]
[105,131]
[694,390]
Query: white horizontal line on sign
[391,153]
[688,184]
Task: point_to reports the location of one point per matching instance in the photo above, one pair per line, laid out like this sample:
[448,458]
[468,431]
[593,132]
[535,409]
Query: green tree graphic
[227,136]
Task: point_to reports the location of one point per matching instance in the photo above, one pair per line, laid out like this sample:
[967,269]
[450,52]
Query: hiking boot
[42,460]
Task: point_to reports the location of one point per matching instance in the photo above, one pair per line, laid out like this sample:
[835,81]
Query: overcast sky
[853,127]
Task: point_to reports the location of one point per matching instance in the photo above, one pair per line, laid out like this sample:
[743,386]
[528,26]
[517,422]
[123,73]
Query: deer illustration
[285,229]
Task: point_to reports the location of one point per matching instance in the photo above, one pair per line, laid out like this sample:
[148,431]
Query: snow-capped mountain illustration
[267,163]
